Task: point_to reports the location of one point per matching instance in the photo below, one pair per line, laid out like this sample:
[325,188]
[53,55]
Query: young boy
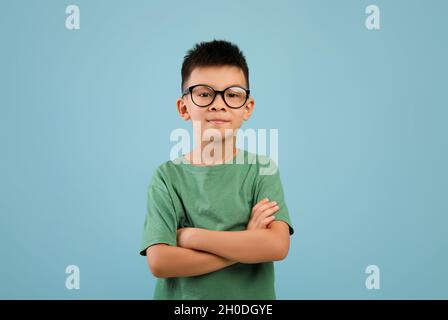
[215,220]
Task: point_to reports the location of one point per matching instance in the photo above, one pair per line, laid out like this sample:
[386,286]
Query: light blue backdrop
[86,117]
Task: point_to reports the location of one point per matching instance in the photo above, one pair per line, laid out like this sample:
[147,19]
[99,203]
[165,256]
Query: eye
[234,95]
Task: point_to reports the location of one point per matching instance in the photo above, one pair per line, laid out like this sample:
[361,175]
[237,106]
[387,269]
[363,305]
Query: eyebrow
[232,85]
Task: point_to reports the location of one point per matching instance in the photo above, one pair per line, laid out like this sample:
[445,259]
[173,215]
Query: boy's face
[219,78]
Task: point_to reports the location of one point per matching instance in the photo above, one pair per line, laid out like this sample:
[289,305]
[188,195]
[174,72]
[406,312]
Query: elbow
[281,251]
[280,239]
[153,259]
[280,255]
[154,268]
[156,273]
[283,255]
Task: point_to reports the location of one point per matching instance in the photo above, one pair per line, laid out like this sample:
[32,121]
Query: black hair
[213,53]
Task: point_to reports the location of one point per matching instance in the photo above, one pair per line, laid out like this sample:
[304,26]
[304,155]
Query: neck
[214,152]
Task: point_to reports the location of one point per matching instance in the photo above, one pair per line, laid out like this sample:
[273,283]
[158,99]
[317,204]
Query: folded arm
[201,251]
[167,261]
[248,246]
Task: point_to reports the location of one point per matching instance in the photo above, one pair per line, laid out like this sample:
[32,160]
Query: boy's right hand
[262,214]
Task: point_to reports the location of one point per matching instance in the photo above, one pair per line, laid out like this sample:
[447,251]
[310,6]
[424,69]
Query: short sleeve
[160,224]
[269,186]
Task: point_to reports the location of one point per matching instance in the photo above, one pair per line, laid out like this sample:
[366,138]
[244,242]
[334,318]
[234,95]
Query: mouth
[218,121]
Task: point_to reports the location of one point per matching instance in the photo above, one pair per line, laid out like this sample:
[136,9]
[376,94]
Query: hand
[262,214]
[184,236]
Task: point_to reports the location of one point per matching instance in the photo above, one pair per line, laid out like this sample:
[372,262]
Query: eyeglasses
[203,95]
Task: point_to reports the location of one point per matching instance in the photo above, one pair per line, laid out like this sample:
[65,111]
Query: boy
[215,223]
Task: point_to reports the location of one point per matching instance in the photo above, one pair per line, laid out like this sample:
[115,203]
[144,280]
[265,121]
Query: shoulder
[264,164]
[163,173]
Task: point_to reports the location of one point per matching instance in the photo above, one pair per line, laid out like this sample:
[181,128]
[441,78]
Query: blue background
[86,117]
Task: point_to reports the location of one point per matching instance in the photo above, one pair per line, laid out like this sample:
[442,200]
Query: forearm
[249,246]
[172,261]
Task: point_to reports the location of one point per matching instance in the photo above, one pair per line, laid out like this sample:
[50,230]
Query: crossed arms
[200,251]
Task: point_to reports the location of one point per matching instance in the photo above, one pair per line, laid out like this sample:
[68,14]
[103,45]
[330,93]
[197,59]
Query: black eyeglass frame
[189,90]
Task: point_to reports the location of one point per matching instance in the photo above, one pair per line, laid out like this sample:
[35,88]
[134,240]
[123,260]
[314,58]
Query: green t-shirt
[216,197]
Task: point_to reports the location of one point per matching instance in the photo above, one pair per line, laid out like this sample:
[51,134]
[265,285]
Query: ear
[248,108]
[182,109]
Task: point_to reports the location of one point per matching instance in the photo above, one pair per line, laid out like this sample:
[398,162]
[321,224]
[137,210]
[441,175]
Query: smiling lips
[218,121]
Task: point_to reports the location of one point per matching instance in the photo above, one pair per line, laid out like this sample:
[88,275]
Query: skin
[200,251]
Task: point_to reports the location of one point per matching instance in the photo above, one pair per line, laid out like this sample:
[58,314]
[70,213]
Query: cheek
[196,114]
[238,118]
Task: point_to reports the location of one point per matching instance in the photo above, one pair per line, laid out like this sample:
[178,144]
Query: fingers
[268,211]
[264,212]
[267,221]
[260,212]
[267,206]
[259,204]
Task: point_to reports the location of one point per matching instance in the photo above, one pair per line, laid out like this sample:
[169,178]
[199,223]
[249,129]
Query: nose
[218,103]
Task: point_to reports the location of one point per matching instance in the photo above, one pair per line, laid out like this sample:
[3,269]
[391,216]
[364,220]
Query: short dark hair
[213,53]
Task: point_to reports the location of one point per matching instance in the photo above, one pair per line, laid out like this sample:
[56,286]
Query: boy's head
[210,67]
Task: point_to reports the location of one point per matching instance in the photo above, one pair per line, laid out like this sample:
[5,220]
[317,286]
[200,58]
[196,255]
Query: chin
[224,133]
